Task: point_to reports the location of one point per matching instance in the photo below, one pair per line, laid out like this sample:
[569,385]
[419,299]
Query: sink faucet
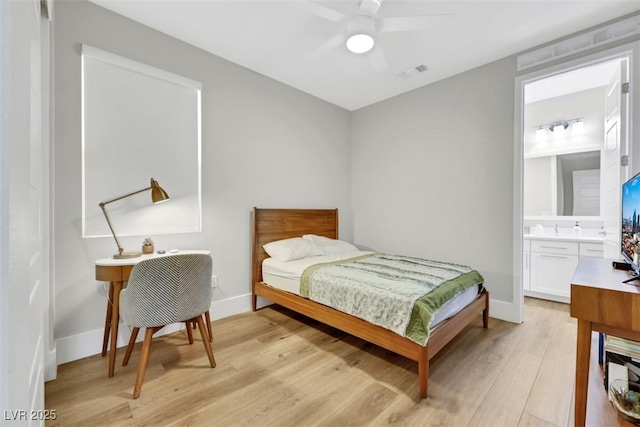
[556,229]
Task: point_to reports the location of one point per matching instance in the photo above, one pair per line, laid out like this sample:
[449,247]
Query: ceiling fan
[360,32]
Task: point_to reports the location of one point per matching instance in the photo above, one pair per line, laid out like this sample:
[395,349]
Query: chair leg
[207,319]
[207,343]
[107,322]
[132,342]
[189,332]
[144,361]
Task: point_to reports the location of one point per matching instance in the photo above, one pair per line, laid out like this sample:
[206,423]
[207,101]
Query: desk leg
[583,354]
[107,322]
[115,318]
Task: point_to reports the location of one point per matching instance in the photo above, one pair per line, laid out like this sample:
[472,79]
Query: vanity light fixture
[158,195]
[559,127]
[578,127]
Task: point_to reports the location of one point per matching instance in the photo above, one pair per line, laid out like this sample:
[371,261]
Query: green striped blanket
[399,293]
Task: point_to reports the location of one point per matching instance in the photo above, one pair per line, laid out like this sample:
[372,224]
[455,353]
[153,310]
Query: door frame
[630,51]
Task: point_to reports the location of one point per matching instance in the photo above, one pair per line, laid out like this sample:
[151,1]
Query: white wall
[432,173]
[540,153]
[264,144]
[586,104]
[537,185]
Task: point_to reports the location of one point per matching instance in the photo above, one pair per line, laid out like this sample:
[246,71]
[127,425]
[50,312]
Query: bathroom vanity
[550,261]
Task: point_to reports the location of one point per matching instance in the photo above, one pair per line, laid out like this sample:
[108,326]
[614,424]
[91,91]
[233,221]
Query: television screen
[630,238]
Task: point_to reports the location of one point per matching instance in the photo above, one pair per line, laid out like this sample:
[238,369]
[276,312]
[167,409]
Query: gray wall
[432,173]
[428,173]
[432,170]
[263,144]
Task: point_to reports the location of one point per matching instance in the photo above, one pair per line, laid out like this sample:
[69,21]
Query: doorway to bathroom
[573,154]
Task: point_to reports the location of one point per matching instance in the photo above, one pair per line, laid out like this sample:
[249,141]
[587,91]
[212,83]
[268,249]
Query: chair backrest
[167,290]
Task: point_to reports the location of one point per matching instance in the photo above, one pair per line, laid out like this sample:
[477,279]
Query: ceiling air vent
[412,71]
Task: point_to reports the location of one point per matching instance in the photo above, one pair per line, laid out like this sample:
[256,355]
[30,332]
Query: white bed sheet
[285,275]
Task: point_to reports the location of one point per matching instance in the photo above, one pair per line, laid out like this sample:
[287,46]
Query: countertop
[566,238]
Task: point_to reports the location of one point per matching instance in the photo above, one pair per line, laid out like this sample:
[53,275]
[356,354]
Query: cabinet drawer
[592,250]
[553,247]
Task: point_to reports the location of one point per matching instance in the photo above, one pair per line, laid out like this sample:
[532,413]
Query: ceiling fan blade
[369,7]
[377,59]
[414,23]
[325,47]
[319,10]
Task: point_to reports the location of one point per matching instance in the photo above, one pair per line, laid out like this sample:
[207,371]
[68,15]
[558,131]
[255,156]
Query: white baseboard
[503,310]
[89,343]
[230,307]
[51,367]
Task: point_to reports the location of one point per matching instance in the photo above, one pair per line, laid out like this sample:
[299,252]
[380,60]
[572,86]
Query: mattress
[286,277]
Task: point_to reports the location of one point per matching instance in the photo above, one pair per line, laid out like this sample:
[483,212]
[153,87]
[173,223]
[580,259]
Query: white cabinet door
[552,273]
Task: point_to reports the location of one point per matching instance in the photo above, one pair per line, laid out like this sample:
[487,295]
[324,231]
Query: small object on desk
[173,251]
[147,246]
[161,251]
[622,265]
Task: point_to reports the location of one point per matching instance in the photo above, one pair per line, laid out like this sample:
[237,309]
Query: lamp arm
[104,211]
[123,197]
[157,195]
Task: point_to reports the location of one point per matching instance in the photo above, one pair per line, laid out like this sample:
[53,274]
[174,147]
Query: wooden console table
[117,272]
[600,302]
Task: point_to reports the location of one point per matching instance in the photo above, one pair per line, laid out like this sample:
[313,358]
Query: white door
[23,215]
[586,192]
[615,146]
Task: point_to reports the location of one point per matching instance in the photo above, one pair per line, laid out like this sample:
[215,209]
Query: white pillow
[330,246]
[291,249]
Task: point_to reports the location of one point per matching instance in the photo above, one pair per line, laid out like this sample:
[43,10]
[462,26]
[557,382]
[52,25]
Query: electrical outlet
[214,281]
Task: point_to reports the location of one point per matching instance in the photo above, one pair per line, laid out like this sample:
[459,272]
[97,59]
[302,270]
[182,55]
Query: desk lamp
[157,195]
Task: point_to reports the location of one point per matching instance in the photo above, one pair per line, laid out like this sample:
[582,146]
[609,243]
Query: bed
[271,225]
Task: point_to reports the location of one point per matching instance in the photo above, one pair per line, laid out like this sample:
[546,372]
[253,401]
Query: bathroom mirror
[562,185]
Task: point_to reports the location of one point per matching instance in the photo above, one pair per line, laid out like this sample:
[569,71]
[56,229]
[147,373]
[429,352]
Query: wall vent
[597,37]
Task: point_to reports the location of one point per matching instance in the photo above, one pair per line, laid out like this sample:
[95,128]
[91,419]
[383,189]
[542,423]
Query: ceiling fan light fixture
[360,30]
[360,43]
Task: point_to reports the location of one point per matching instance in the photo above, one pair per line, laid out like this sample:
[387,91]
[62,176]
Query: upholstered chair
[162,291]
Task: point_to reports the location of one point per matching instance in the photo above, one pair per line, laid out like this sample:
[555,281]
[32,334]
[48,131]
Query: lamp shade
[158,194]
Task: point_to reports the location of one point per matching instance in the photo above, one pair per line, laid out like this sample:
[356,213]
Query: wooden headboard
[276,224]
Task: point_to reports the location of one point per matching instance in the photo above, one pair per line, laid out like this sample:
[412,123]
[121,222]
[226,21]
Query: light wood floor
[276,368]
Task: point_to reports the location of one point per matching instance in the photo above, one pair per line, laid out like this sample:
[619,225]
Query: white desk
[116,272]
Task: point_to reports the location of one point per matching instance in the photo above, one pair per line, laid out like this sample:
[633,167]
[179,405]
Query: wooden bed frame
[275,224]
